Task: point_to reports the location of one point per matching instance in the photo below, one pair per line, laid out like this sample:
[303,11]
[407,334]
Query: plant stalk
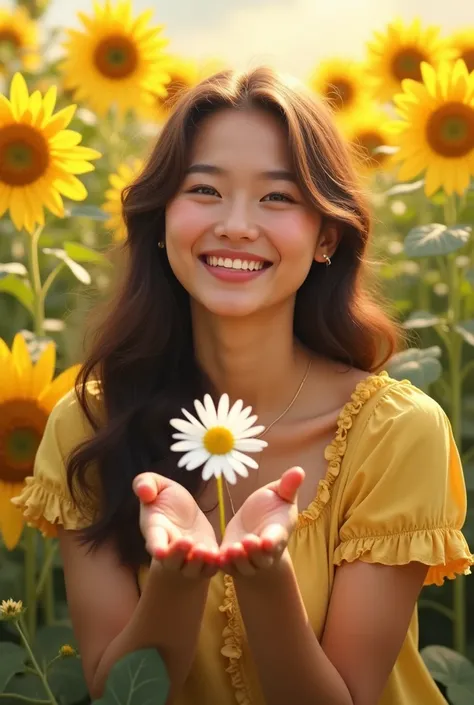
[52,700]
[30,581]
[220,495]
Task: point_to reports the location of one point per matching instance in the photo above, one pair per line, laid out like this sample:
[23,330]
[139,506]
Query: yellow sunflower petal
[43,371]
[12,522]
[23,364]
[71,187]
[58,388]
[59,121]
[19,95]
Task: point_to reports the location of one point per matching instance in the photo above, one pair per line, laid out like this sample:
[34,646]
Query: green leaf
[83,211]
[469,276]
[19,289]
[435,239]
[13,268]
[421,319]
[12,661]
[400,189]
[139,678]
[421,367]
[26,684]
[466,329]
[81,253]
[453,670]
[79,272]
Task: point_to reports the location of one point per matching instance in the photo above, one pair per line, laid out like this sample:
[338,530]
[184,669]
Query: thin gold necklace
[266,430]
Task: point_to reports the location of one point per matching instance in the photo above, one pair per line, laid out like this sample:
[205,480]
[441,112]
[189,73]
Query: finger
[147,486]
[177,554]
[274,539]
[289,484]
[197,559]
[237,557]
[157,542]
[257,557]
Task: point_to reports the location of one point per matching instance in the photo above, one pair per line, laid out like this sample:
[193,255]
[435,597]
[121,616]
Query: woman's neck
[254,358]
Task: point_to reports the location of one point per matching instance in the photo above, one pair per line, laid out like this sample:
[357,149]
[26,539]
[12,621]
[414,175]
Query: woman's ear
[328,240]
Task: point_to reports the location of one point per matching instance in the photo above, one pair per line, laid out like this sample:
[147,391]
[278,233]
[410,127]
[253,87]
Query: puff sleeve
[45,498]
[405,496]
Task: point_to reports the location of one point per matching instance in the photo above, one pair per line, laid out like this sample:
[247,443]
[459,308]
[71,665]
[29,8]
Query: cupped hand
[258,534]
[177,533]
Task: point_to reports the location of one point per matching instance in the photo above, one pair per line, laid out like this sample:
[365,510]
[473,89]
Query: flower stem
[220,496]
[52,700]
[35,279]
[30,580]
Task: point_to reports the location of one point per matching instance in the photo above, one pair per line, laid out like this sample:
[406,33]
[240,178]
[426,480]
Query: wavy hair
[142,352]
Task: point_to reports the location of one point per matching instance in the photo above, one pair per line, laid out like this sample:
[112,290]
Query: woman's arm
[368,618]
[110,620]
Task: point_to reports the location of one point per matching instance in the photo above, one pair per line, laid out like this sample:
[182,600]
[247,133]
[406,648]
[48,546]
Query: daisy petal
[212,467]
[250,462]
[182,446]
[181,436]
[223,410]
[194,459]
[211,412]
[237,465]
[244,424]
[250,445]
[234,412]
[192,419]
[185,427]
[201,412]
[229,473]
[251,432]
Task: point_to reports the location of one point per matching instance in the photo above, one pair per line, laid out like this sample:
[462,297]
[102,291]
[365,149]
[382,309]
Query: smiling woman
[308,594]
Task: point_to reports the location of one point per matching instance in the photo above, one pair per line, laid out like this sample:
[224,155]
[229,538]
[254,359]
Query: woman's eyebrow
[272,175]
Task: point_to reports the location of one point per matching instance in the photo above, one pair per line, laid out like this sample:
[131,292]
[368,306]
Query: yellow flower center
[468,57]
[406,64]
[24,155]
[116,57]
[340,92]
[9,44]
[450,130]
[22,424]
[66,651]
[369,141]
[218,440]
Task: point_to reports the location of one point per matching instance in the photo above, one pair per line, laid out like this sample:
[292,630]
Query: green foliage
[436,239]
[453,670]
[139,678]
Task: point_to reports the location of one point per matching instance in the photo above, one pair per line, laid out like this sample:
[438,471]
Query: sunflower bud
[67,651]
[10,610]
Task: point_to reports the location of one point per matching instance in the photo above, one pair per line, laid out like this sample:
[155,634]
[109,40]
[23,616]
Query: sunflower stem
[456,383]
[35,279]
[30,580]
[220,496]
[36,666]
[48,591]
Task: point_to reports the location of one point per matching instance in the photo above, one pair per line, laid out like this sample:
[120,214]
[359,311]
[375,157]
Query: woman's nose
[238,223]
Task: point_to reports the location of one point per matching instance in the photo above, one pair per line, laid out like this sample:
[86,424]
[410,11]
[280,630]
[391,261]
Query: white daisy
[217,438]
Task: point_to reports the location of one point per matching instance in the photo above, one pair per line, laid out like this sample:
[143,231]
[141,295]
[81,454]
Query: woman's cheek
[292,235]
[186,221]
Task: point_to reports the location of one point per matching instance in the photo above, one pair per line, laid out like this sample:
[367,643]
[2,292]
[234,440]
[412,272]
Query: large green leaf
[421,367]
[81,253]
[140,678]
[421,319]
[453,670]
[466,329]
[65,676]
[83,211]
[12,661]
[18,288]
[79,272]
[436,239]
[27,685]
[400,189]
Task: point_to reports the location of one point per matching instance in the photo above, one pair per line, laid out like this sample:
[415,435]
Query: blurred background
[86,88]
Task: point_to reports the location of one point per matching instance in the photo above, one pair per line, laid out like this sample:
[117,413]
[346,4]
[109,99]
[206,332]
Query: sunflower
[341,83]
[183,74]
[38,157]
[126,173]
[18,39]
[366,131]
[117,60]
[435,132]
[398,53]
[463,44]
[27,397]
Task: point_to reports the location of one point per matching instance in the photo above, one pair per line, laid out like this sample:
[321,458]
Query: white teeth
[229,263]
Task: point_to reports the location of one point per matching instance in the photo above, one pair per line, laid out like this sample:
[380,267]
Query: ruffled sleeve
[405,497]
[45,499]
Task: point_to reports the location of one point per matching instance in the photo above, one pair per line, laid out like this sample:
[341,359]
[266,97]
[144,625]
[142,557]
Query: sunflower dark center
[24,155]
[407,64]
[22,424]
[116,57]
[450,130]
[340,92]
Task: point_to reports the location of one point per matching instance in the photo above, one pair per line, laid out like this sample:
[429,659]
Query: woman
[310,595]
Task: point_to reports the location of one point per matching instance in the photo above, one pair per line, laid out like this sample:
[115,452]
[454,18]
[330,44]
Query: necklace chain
[305,377]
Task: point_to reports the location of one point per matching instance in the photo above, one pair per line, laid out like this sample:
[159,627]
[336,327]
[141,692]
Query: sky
[292,35]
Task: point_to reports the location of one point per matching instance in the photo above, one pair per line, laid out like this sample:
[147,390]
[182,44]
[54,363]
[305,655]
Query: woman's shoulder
[69,416]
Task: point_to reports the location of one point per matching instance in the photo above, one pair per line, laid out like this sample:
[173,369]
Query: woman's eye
[204,190]
[278,197]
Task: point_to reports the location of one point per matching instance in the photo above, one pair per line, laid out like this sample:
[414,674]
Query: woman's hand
[258,534]
[177,533]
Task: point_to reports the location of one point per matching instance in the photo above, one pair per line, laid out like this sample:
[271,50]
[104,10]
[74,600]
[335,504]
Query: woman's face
[239,236]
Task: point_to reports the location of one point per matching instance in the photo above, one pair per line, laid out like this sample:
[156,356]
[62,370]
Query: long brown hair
[143,348]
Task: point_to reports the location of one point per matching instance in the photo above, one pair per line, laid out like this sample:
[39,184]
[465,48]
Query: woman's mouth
[234,268]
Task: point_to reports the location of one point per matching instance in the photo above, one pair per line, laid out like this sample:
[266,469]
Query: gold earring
[327,259]
[161,244]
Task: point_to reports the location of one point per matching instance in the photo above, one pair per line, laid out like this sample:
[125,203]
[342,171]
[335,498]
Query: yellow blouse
[393,493]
